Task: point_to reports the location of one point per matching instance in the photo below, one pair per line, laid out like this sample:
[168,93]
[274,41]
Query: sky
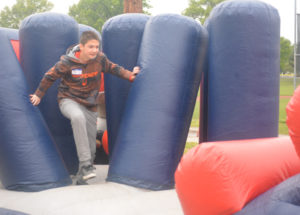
[284,7]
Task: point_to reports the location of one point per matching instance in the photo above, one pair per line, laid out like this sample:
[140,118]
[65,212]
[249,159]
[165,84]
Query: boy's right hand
[34,99]
[136,70]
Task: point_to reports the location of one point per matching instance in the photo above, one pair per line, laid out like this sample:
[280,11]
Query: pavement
[193,135]
[99,197]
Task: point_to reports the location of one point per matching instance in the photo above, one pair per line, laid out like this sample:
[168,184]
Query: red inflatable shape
[105,142]
[293,119]
[221,177]
[16,46]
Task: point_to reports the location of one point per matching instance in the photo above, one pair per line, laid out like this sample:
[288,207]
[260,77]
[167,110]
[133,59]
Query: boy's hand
[135,71]
[34,99]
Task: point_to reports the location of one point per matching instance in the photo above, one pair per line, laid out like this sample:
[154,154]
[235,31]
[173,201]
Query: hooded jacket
[80,82]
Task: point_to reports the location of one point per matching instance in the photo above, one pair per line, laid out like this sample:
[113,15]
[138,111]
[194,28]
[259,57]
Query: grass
[195,119]
[189,145]
[287,86]
[283,129]
[286,90]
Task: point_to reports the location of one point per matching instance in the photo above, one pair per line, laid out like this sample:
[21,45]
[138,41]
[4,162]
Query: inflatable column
[159,108]
[29,160]
[121,36]
[243,75]
[44,38]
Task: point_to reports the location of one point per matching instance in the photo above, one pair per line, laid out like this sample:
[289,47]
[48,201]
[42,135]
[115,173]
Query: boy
[80,73]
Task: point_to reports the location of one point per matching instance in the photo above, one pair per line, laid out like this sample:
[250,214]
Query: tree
[286,56]
[95,12]
[200,9]
[12,17]
[133,6]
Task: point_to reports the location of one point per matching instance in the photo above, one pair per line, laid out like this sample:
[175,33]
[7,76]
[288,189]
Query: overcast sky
[285,8]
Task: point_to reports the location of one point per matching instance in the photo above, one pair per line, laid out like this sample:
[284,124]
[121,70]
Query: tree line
[96,12]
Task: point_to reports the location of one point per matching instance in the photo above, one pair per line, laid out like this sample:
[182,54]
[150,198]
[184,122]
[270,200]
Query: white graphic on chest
[76,72]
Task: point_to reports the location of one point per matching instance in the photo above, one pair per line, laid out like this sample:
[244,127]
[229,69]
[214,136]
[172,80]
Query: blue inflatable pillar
[11,34]
[160,104]
[44,38]
[243,75]
[29,160]
[122,36]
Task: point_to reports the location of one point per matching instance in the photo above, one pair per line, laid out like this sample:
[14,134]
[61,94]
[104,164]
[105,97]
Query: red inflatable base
[221,177]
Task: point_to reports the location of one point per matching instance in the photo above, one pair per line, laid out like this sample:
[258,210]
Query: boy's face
[89,50]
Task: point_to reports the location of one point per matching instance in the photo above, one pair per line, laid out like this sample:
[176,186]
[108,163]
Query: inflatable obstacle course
[240,97]
[41,47]
[148,124]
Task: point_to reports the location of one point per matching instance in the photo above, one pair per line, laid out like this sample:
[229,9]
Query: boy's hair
[87,36]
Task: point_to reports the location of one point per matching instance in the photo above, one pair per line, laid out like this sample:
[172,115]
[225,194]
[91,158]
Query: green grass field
[287,86]
[286,91]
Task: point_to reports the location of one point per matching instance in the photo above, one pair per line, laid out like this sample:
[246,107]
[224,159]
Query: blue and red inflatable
[249,174]
[235,57]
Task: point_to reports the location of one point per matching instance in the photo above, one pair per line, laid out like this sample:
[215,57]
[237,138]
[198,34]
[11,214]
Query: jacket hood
[71,53]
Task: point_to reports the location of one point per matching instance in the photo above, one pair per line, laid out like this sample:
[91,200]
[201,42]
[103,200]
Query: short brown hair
[87,36]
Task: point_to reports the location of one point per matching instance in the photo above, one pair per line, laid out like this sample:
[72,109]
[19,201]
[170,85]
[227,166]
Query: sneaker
[80,181]
[87,172]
